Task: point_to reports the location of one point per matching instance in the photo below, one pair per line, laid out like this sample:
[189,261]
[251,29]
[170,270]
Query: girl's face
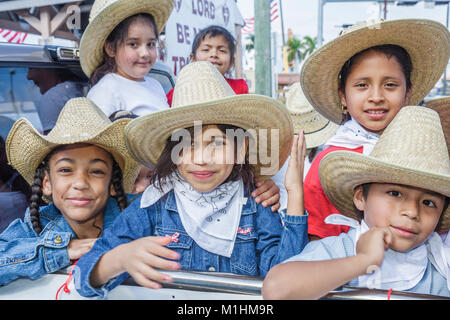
[375,91]
[136,55]
[411,214]
[79,182]
[215,50]
[208,162]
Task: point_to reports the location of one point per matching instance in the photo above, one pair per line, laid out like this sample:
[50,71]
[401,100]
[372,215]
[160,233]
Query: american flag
[250,23]
[7,35]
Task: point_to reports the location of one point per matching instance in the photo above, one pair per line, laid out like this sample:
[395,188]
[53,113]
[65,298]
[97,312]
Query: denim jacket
[24,253]
[262,241]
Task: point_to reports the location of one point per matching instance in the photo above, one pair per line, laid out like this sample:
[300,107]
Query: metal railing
[246,285]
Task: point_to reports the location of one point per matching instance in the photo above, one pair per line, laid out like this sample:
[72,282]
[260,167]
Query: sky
[302,17]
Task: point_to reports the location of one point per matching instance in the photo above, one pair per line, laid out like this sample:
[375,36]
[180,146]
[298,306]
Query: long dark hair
[165,165]
[390,50]
[36,189]
[116,38]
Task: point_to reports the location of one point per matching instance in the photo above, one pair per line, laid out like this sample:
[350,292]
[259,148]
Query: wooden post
[263,69]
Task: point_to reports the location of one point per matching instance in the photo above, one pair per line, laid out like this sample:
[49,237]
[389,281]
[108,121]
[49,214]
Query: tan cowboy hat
[317,128]
[202,94]
[442,106]
[80,121]
[105,15]
[411,151]
[426,41]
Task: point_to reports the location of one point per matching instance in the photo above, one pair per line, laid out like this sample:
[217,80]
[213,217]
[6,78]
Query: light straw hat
[442,107]
[411,151]
[80,121]
[202,94]
[426,41]
[105,15]
[317,128]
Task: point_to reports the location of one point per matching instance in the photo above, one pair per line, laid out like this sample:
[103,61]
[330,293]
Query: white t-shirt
[114,92]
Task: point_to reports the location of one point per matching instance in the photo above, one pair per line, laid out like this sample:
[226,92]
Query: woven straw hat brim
[26,148]
[442,107]
[426,41]
[104,22]
[146,136]
[317,136]
[341,172]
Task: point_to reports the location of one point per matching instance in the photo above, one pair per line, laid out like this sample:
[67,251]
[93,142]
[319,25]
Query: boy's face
[215,50]
[375,91]
[411,214]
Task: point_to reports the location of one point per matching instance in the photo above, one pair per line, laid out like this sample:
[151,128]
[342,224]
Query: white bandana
[352,135]
[210,218]
[399,270]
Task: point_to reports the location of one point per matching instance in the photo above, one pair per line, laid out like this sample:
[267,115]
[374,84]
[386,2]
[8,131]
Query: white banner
[185,21]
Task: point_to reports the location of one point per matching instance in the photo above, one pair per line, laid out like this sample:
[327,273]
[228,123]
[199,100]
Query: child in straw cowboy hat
[118,49]
[198,212]
[218,46]
[361,80]
[83,168]
[396,201]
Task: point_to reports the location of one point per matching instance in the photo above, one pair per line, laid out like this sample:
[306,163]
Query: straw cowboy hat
[105,15]
[411,151]
[442,107]
[80,121]
[317,128]
[202,94]
[426,41]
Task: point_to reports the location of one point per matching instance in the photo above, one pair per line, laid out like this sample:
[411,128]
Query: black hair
[115,38]
[165,165]
[390,50]
[36,189]
[211,32]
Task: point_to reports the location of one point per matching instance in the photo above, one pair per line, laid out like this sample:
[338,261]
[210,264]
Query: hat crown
[371,24]
[80,119]
[296,101]
[424,147]
[200,82]
[98,6]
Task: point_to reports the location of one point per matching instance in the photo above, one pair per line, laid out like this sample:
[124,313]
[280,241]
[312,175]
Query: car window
[18,98]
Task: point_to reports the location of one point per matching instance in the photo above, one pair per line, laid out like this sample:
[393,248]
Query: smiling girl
[199,212]
[118,49]
[82,168]
[361,80]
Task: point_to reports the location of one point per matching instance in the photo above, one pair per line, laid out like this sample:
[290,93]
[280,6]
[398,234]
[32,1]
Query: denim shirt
[264,239]
[24,253]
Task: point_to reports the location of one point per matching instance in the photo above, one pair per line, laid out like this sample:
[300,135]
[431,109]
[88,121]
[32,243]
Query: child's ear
[407,96]
[112,191]
[109,49]
[358,198]
[46,185]
[342,97]
[192,57]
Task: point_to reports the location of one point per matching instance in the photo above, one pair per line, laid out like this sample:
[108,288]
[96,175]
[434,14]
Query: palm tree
[251,45]
[300,49]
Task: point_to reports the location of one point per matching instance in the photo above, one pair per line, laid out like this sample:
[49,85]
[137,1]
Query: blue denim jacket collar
[248,208]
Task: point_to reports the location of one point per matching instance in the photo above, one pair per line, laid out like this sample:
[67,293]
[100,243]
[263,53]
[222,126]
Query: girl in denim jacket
[83,167]
[198,214]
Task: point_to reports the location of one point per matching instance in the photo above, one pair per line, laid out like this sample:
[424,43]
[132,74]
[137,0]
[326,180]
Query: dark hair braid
[117,182]
[36,198]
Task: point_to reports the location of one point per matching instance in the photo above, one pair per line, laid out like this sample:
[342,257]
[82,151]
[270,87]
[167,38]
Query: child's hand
[140,258]
[372,245]
[78,247]
[268,193]
[294,174]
